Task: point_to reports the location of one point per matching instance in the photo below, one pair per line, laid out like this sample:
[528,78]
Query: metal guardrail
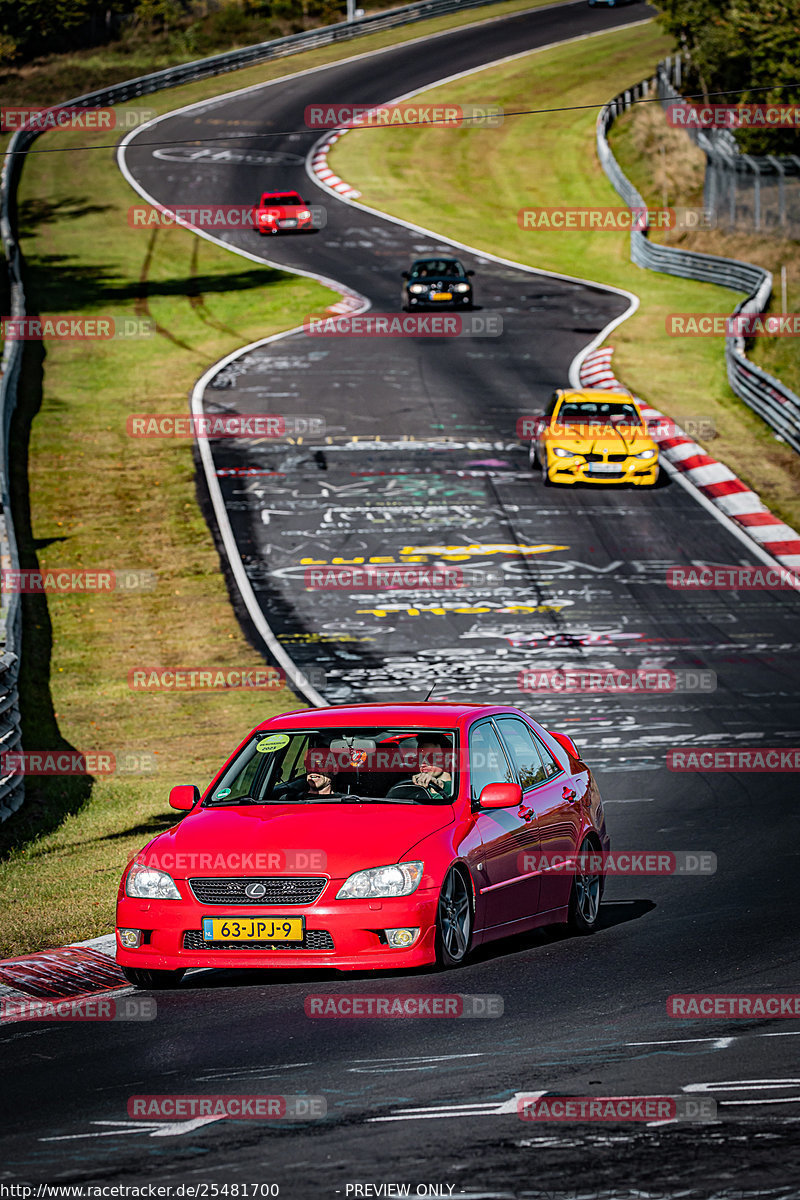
[772,400]
[12,787]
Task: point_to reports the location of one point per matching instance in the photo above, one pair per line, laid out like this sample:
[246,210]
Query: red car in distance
[366,836]
[279,211]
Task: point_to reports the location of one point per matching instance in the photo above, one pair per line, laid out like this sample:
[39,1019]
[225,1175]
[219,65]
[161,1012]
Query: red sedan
[367,836]
[279,211]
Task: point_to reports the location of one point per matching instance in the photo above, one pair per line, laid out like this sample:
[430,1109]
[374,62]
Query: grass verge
[550,159]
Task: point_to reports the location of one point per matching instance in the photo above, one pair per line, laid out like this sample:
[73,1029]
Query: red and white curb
[327,177]
[716,482]
[66,974]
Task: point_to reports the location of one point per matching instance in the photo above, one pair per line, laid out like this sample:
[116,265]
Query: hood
[610,439]
[219,841]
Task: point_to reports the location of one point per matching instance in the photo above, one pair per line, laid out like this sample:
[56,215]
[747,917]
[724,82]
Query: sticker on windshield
[275,741]
[222,792]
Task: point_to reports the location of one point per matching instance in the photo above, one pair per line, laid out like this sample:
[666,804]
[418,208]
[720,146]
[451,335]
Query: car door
[554,798]
[508,895]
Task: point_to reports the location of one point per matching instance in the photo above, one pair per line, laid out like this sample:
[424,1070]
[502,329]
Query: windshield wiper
[230,803]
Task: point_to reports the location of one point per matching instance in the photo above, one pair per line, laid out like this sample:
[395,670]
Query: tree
[747,49]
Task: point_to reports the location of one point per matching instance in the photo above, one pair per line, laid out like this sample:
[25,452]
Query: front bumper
[352,927]
[641,473]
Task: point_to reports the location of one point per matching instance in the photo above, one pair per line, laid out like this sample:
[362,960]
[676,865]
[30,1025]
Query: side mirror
[501,795]
[564,740]
[470,272]
[184,796]
[405,275]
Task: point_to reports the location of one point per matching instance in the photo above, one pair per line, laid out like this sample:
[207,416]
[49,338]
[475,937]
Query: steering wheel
[408,791]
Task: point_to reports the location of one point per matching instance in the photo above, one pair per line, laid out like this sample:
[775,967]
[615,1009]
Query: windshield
[436,267]
[282,198]
[339,766]
[597,413]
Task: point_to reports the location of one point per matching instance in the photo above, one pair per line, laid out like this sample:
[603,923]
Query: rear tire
[453,921]
[584,897]
[152,981]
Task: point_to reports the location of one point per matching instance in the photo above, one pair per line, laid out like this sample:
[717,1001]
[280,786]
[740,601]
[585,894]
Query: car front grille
[592,457]
[314,939]
[278,889]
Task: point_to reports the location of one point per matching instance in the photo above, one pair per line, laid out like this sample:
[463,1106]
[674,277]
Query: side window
[524,751]
[551,764]
[487,760]
[551,407]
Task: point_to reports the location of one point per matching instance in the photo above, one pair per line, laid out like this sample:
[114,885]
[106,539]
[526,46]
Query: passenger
[433,750]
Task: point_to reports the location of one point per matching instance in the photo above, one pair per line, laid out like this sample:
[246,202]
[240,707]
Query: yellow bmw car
[594,437]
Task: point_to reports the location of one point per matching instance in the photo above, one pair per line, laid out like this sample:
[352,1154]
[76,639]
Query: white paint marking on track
[152,1128]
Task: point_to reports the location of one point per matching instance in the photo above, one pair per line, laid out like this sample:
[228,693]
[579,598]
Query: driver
[319,773]
[433,751]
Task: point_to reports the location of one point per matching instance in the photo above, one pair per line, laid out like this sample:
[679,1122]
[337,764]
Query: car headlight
[645,454]
[460,287]
[399,879]
[416,288]
[560,452]
[304,214]
[147,883]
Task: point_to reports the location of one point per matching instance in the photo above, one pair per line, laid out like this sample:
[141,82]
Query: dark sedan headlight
[460,287]
[417,288]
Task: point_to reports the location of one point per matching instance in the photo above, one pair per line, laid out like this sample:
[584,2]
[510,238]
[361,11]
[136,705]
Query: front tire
[152,981]
[453,921]
[584,898]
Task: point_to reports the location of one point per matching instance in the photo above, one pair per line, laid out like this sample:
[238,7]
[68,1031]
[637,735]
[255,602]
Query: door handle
[569,795]
[526,813]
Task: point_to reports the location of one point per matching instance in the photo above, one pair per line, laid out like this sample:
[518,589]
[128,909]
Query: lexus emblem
[255,890]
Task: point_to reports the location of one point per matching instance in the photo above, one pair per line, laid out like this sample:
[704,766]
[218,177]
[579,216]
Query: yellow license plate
[255,929]
[442,296]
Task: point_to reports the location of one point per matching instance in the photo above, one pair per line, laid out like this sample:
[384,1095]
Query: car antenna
[430,693]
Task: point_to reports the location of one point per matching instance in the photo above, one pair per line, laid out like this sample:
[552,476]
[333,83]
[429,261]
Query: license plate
[253,929]
[441,295]
[288,222]
[605,468]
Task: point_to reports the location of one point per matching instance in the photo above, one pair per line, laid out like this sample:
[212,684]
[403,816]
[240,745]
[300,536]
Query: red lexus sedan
[367,836]
[282,211]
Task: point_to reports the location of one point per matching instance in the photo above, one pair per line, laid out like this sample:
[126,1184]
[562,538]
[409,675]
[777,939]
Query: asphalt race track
[421,465]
